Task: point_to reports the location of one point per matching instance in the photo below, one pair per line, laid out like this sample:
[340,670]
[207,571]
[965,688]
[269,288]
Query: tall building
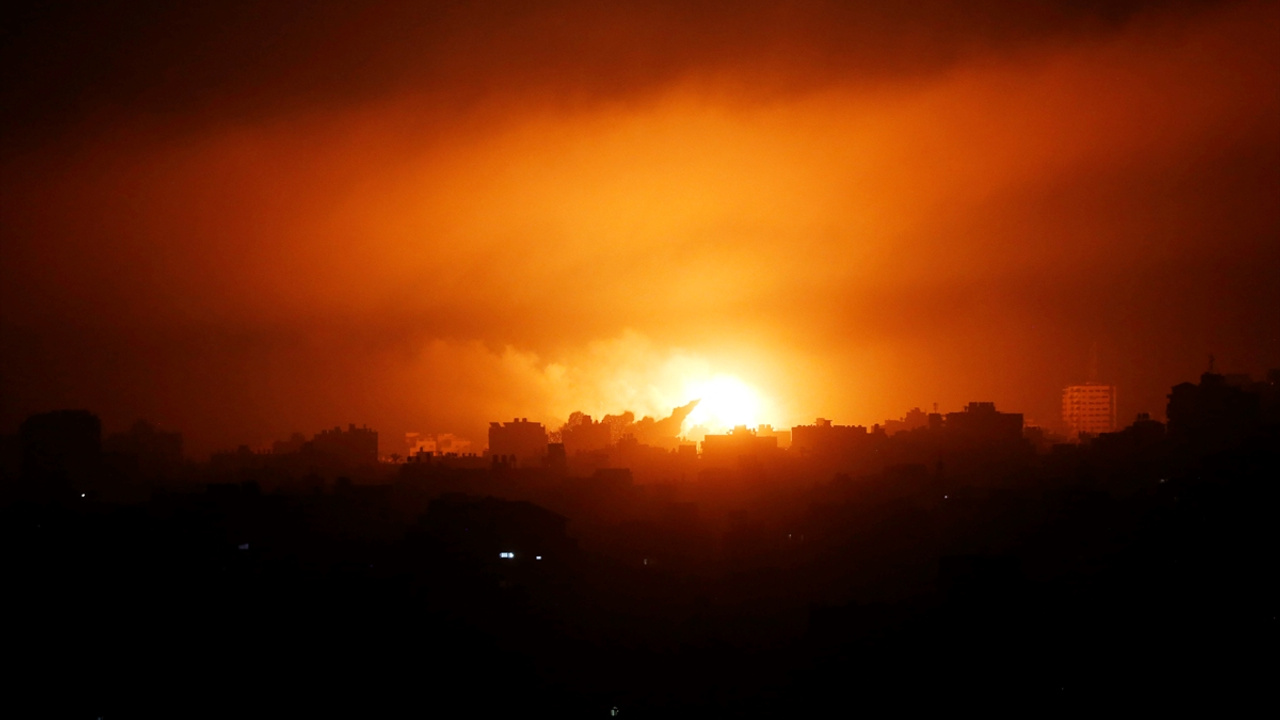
[525,441]
[1089,408]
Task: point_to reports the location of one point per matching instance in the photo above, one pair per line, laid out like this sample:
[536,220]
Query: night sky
[239,220]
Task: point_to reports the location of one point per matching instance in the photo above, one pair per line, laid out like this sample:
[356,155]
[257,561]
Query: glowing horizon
[841,240]
[724,402]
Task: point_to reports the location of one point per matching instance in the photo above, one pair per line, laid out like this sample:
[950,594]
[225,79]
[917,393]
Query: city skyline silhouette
[536,213]
[637,358]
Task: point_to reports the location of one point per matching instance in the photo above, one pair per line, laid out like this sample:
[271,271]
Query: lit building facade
[1089,409]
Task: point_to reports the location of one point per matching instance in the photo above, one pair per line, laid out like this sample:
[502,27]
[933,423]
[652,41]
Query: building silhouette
[914,419]
[294,444]
[1215,414]
[981,422]
[783,436]
[742,444]
[149,450]
[823,438]
[521,440]
[582,434]
[354,446]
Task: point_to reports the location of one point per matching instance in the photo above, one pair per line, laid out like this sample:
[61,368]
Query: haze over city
[639,358]
[244,221]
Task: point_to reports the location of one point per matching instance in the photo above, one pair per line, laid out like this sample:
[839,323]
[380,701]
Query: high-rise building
[1089,409]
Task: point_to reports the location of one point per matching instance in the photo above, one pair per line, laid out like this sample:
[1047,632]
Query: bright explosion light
[726,402]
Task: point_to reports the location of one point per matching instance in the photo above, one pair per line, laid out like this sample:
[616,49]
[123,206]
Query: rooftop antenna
[1210,363]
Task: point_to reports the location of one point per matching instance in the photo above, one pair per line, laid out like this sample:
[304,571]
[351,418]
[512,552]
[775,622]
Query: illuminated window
[507,555]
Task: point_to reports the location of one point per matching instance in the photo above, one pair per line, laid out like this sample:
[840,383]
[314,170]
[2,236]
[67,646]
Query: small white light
[81,494]
[537,557]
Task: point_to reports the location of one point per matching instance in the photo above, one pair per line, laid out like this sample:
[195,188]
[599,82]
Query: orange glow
[785,245]
[725,402]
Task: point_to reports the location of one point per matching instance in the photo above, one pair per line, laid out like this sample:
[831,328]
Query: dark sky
[244,219]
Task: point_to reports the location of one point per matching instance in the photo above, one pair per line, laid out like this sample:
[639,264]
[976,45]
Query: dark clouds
[242,221]
[71,65]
